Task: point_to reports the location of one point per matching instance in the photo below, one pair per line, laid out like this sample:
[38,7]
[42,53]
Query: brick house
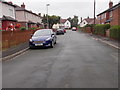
[111,15]
[27,18]
[7,15]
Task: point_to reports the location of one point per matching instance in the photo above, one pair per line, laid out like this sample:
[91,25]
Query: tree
[51,20]
[44,20]
[73,21]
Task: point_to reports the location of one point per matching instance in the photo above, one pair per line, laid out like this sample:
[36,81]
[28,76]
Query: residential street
[76,61]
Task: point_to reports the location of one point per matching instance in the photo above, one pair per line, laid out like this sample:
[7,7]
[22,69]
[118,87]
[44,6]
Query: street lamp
[47,15]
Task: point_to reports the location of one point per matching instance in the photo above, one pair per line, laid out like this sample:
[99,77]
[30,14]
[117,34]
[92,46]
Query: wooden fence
[13,38]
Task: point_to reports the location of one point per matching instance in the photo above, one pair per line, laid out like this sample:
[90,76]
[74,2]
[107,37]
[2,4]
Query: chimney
[88,17]
[81,19]
[23,5]
[110,4]
[10,2]
[39,14]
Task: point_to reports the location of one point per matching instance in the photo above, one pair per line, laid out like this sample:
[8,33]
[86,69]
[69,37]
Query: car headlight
[48,39]
[31,40]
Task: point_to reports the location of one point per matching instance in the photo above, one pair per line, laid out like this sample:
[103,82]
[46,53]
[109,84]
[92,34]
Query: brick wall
[12,38]
[116,15]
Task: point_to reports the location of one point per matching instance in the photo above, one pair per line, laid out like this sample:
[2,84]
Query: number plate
[38,44]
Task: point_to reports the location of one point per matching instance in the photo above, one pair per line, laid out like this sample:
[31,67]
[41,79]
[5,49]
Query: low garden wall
[13,38]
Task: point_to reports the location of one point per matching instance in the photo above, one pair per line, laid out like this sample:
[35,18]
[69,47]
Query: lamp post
[94,11]
[47,15]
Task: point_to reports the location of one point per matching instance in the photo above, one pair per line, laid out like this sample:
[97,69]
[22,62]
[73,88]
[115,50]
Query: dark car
[43,37]
[60,31]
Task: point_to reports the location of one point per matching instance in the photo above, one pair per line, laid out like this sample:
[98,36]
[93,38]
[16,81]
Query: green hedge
[115,32]
[101,28]
[23,28]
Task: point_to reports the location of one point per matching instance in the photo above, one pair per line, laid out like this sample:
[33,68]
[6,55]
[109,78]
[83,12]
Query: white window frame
[111,13]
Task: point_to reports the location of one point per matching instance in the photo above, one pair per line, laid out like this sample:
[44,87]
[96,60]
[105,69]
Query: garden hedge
[100,29]
[115,32]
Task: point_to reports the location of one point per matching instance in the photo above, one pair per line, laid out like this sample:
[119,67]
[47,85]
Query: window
[102,16]
[11,12]
[105,15]
[98,17]
[110,13]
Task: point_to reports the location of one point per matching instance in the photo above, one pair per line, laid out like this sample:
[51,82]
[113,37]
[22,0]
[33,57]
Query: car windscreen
[42,33]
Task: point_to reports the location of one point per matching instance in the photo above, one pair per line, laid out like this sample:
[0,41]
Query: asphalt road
[77,61]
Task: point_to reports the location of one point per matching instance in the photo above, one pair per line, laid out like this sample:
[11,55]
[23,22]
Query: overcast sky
[66,8]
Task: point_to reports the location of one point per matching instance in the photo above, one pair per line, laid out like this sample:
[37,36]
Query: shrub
[89,25]
[101,29]
[23,28]
[115,32]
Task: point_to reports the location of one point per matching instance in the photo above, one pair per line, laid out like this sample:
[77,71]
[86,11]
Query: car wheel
[55,42]
[30,47]
[52,45]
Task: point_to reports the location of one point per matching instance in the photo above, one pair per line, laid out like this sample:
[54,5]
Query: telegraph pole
[94,11]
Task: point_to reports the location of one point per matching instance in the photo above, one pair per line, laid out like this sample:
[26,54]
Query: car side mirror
[31,35]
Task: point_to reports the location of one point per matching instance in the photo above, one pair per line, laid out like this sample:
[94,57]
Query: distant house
[56,26]
[7,14]
[27,18]
[64,23]
[86,21]
[111,15]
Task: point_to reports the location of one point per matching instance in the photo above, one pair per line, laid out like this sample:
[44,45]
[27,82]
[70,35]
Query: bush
[89,25]
[23,28]
[101,29]
[115,32]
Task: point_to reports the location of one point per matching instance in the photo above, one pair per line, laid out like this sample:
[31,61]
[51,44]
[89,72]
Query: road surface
[77,61]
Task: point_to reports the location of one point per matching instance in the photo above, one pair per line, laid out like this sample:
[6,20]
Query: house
[7,15]
[86,21]
[111,15]
[27,18]
[56,26]
[64,23]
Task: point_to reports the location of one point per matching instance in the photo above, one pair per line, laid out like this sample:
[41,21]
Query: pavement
[14,51]
[76,61]
[106,40]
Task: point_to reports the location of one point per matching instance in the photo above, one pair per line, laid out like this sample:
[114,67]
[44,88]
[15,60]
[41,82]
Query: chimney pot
[23,5]
[10,2]
[110,4]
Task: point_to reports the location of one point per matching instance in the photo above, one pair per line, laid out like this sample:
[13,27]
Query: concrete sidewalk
[14,51]
[113,43]
[106,40]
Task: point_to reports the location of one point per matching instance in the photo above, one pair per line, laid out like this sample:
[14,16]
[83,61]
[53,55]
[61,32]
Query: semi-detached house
[27,18]
[111,15]
[7,14]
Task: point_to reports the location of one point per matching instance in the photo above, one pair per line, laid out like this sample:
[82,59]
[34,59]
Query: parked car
[43,37]
[60,31]
[64,30]
[74,29]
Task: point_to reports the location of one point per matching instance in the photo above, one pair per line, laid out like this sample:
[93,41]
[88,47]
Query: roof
[96,21]
[8,3]
[8,18]
[18,8]
[30,22]
[110,9]
[89,19]
[63,20]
